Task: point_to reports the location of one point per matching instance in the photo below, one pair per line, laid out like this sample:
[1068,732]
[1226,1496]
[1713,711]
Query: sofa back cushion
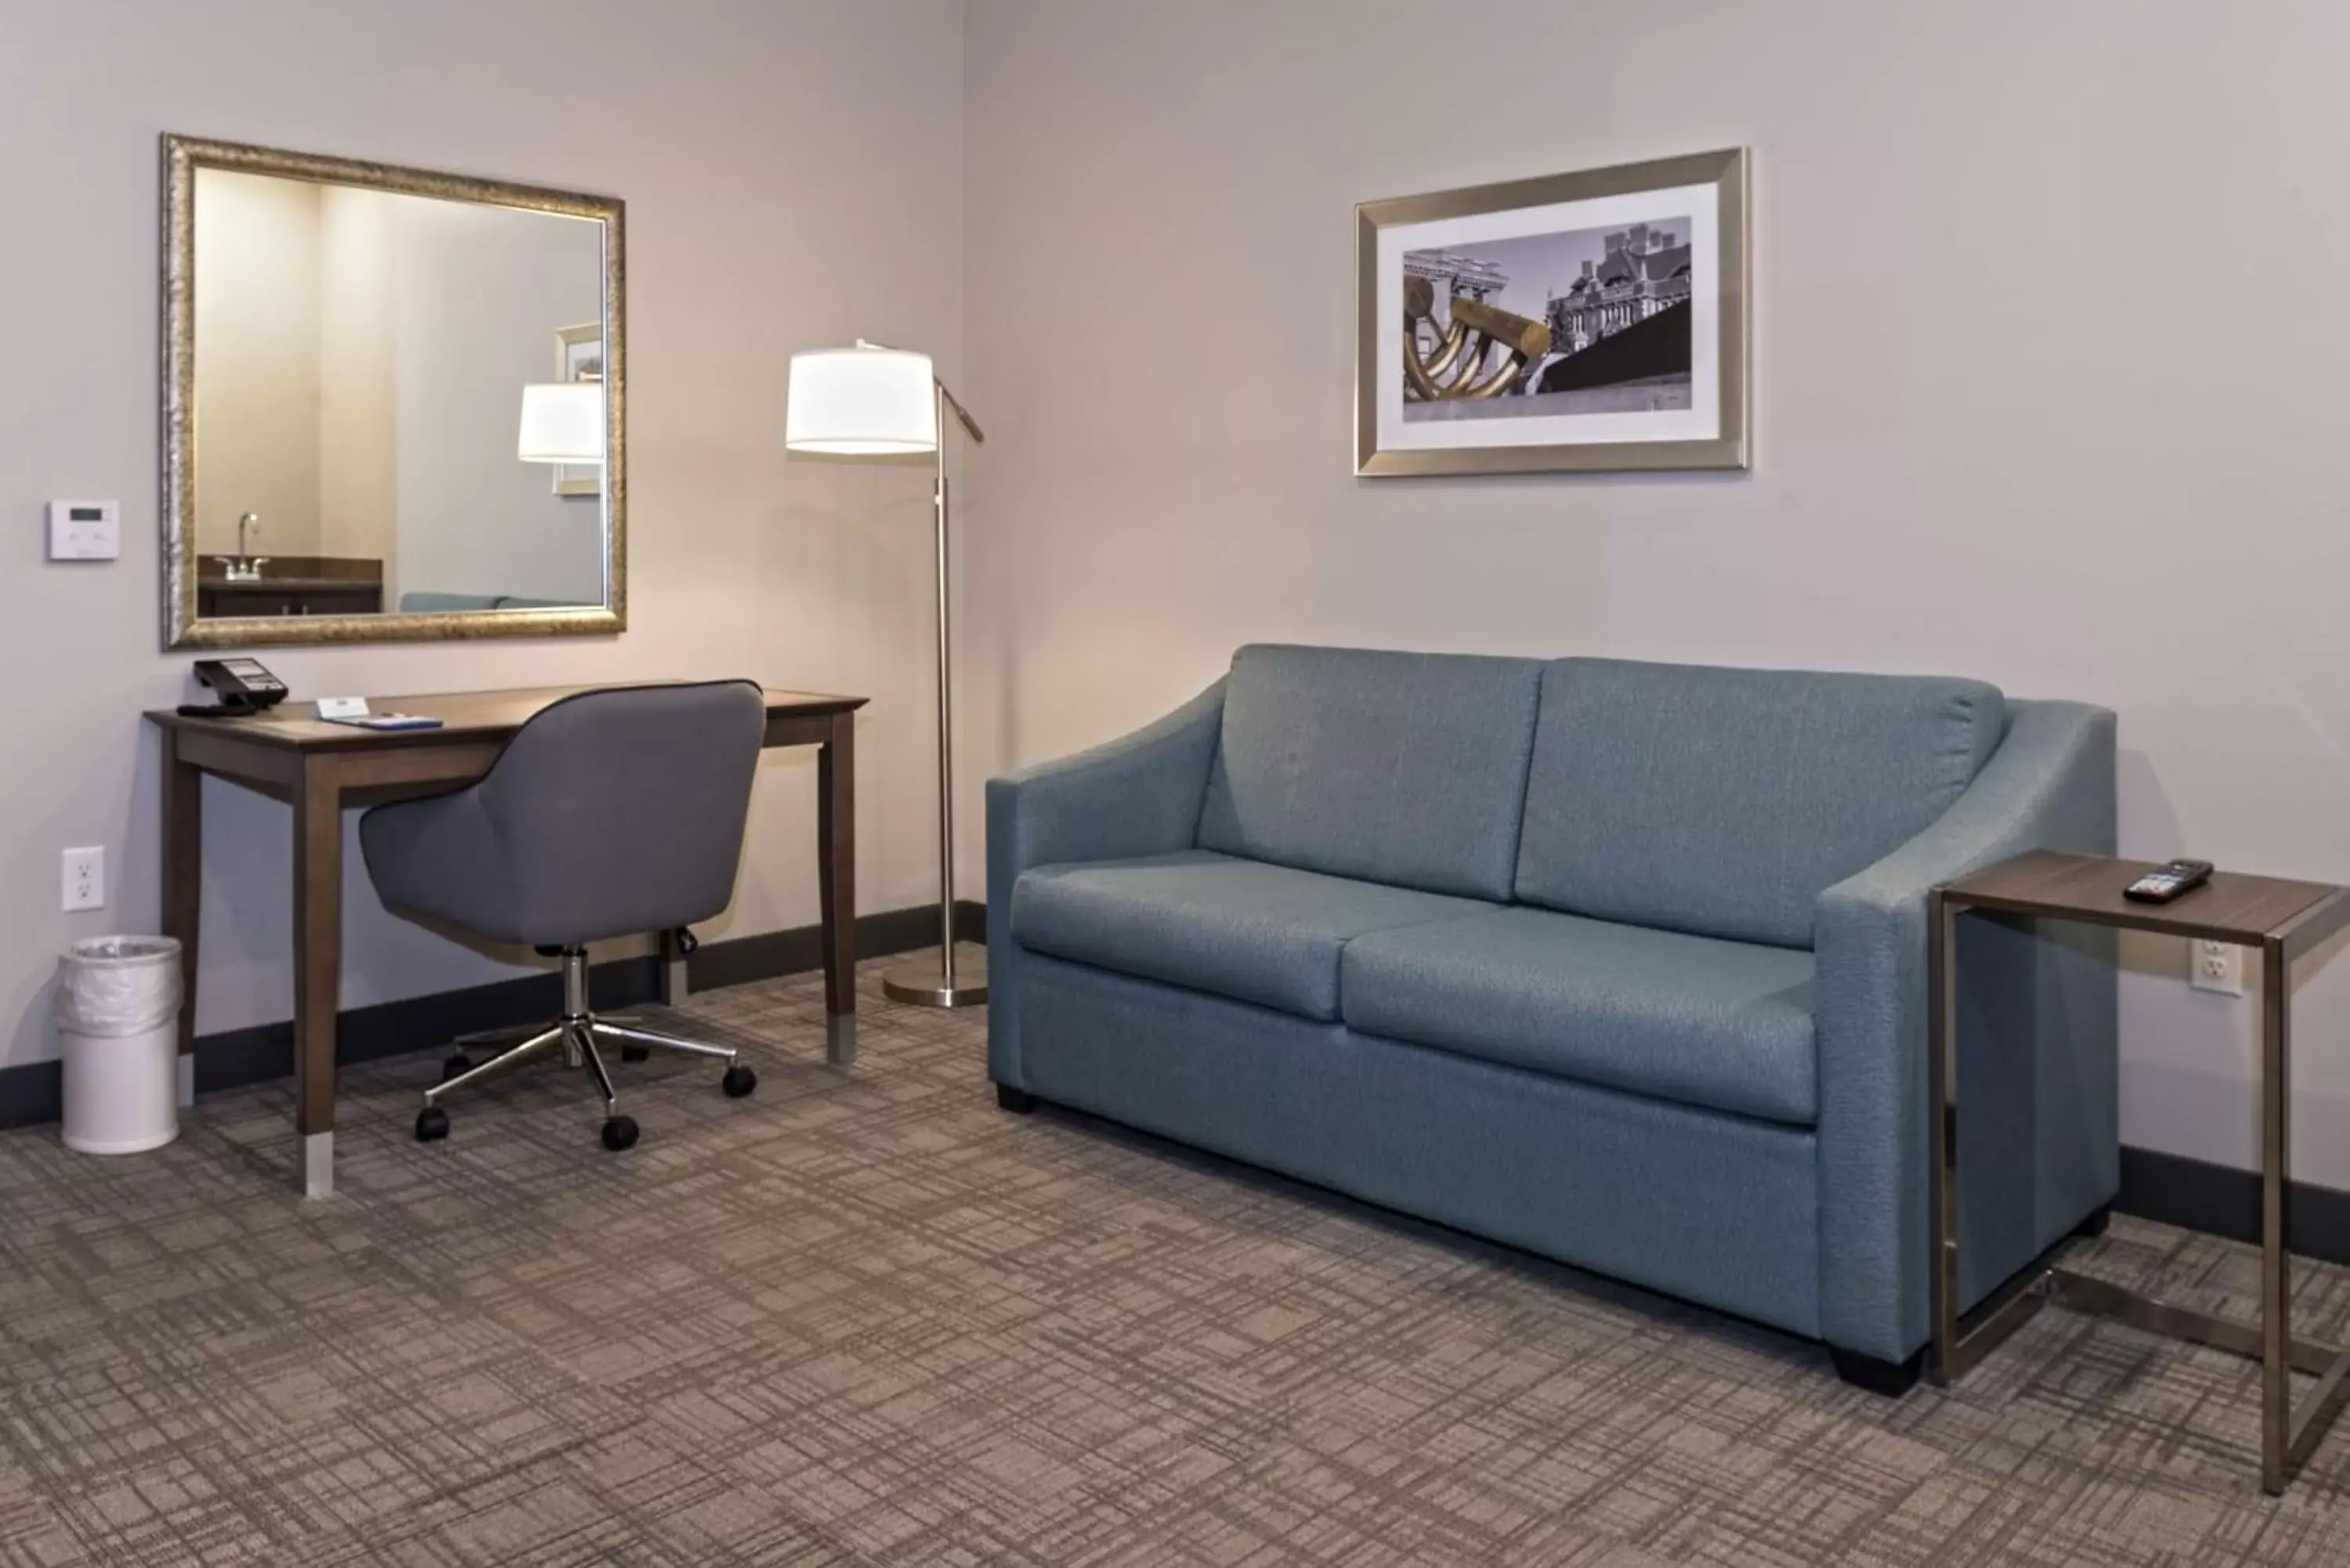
[1404,768]
[1723,802]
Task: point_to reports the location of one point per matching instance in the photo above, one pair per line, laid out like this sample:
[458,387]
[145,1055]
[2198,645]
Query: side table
[2283,919]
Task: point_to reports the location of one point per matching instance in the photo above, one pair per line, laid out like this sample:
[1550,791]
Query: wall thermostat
[85,530]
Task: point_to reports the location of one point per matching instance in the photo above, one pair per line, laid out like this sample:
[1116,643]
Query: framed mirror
[393,403]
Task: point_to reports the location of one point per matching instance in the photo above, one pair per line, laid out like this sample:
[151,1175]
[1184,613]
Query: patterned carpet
[867,1318]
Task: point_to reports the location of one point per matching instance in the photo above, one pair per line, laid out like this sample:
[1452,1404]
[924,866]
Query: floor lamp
[872,401]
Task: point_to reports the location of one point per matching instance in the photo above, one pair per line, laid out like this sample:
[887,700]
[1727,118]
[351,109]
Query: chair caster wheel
[738,1081]
[636,1054]
[455,1065]
[619,1133]
[432,1124]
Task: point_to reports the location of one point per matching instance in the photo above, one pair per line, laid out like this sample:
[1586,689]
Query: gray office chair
[609,814]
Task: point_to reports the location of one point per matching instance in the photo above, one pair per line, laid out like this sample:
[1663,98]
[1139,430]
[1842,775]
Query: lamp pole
[945,987]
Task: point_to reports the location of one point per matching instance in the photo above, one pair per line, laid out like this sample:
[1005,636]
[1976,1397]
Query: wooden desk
[320,769]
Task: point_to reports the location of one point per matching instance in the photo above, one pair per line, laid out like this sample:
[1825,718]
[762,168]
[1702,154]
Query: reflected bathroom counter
[290,585]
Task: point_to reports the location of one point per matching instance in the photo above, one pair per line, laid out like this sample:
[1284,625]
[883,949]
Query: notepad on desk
[385,721]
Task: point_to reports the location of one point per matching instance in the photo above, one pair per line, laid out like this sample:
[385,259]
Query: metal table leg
[2288,1434]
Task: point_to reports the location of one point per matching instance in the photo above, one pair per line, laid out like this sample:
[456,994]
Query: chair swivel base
[578,1033]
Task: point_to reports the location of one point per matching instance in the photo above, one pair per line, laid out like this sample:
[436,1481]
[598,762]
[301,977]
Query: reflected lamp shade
[562,422]
[861,402]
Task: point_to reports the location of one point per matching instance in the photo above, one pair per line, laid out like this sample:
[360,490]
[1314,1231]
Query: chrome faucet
[244,566]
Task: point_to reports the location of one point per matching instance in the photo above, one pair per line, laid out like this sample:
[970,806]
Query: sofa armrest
[2050,786]
[1139,794]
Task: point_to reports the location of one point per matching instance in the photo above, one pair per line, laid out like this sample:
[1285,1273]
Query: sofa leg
[2095,1225]
[1891,1379]
[1019,1102]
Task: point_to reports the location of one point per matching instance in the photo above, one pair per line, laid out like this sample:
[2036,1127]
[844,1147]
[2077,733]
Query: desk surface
[2230,908]
[464,715]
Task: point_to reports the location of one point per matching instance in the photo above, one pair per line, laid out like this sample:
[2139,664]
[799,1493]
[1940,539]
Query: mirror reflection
[398,404]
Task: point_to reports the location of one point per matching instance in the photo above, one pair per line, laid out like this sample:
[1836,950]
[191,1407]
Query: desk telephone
[244,685]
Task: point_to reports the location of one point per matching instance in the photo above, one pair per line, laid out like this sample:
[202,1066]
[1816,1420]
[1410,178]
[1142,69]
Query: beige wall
[793,175]
[483,292]
[257,245]
[358,429]
[361,355]
[2049,391]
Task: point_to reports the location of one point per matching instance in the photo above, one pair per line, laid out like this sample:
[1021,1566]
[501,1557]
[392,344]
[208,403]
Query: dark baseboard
[236,1058]
[31,1093]
[745,959]
[2219,1199]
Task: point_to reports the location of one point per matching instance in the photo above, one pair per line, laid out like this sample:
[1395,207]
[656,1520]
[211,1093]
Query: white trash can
[118,1022]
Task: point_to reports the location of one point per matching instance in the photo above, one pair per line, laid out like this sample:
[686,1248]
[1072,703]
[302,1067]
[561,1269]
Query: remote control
[2168,881]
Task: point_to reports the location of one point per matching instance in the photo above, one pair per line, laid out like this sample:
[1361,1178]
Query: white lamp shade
[861,402]
[562,422]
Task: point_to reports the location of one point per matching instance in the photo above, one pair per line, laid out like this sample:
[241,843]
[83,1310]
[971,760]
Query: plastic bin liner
[118,985]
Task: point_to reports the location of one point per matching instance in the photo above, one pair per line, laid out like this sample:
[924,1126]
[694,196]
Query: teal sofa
[433,601]
[1620,963]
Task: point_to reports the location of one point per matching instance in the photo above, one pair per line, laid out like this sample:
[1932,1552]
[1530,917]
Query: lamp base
[926,984]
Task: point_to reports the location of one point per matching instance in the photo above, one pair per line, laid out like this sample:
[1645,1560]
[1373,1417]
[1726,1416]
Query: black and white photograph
[1588,321]
[1592,321]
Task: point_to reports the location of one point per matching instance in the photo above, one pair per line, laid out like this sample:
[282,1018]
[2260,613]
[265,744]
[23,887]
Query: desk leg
[835,829]
[317,969]
[183,872]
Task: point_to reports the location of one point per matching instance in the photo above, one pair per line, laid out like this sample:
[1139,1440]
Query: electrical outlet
[85,878]
[2216,966]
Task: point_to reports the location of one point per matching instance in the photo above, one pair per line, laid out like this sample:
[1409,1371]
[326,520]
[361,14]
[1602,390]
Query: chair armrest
[1139,794]
[2050,786]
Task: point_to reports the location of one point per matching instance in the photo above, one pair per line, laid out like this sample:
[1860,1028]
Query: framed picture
[580,357]
[1590,321]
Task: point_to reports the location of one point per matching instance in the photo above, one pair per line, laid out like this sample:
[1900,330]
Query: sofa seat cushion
[1241,929]
[1695,1020]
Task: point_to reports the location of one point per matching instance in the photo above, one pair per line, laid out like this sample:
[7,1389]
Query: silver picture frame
[1504,351]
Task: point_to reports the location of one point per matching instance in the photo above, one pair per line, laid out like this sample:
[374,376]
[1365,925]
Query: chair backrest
[622,811]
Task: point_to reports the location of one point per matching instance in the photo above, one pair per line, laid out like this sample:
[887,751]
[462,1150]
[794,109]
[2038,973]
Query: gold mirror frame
[183,156]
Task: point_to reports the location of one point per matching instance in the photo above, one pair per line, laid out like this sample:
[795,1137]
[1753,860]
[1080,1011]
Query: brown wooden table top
[2232,907]
[464,715]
